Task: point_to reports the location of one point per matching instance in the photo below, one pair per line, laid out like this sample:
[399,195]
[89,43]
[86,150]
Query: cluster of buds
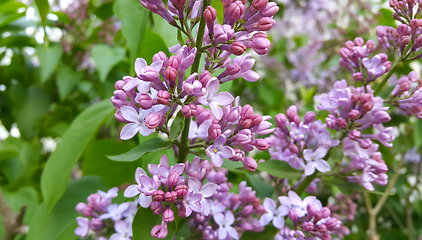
[294,141]
[100,214]
[405,10]
[354,57]
[407,99]
[310,219]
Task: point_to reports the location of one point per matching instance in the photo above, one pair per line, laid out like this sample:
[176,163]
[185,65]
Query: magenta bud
[353,114]
[308,226]
[210,14]
[311,209]
[325,212]
[368,106]
[321,228]
[403,30]
[173,178]
[168,216]
[204,77]
[259,4]
[92,200]
[157,208]
[366,97]
[325,236]
[119,85]
[186,111]
[80,207]
[354,134]
[293,148]
[214,131]
[159,231]
[87,212]
[181,190]
[234,115]
[344,52]
[331,224]
[149,73]
[244,137]
[238,155]
[280,120]
[237,48]
[341,123]
[236,10]
[116,102]
[370,45]
[355,97]
[261,45]
[247,123]
[158,195]
[247,226]
[358,41]
[232,69]
[247,210]
[178,3]
[171,75]
[153,120]
[381,32]
[96,224]
[259,35]
[163,97]
[256,120]
[291,113]
[309,117]
[249,163]
[358,76]
[173,62]
[365,143]
[247,112]
[145,101]
[266,23]
[261,144]
[160,56]
[270,9]
[293,215]
[349,45]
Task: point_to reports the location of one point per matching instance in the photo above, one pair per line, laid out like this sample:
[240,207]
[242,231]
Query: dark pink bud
[309,117]
[296,119]
[187,111]
[178,3]
[181,212]
[247,112]
[366,97]
[291,113]
[344,52]
[158,195]
[293,148]
[120,94]
[116,102]
[311,209]
[210,14]
[214,131]
[358,76]
[261,144]
[354,134]
[247,226]
[365,143]
[331,224]
[150,73]
[87,212]
[355,97]
[266,23]
[256,119]
[248,210]
[259,4]
[157,208]
[249,163]
[371,45]
[238,155]
[244,137]
[341,123]
[387,66]
[232,69]
[92,200]
[168,197]
[381,31]
[204,77]
[259,35]
[96,224]
[159,231]
[247,123]
[325,212]
[237,48]
[80,207]
[321,228]
[153,120]
[293,215]
[168,216]
[145,101]
[171,75]
[358,42]
[353,114]
[173,178]
[325,236]
[119,84]
[270,9]
[163,97]
[236,10]
[368,106]
[181,190]
[173,62]
[403,29]
[308,226]
[280,120]
[261,45]
[349,45]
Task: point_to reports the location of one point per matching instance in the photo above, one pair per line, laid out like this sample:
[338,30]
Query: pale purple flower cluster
[354,56]
[100,214]
[296,141]
[310,219]
[407,99]
[230,214]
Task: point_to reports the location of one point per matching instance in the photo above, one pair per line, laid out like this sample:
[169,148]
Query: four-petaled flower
[137,122]
[218,151]
[225,223]
[214,100]
[315,160]
[273,214]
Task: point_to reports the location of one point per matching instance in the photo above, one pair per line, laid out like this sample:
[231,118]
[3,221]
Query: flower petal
[130,114]
[208,189]
[194,184]
[129,131]
[216,111]
[278,222]
[266,218]
[322,165]
[145,201]
[131,191]
[232,232]
[140,63]
[223,99]
[309,168]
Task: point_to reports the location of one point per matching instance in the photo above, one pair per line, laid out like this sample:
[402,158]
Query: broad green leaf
[58,168]
[218,6]
[263,189]
[62,17]
[268,233]
[43,9]
[8,7]
[6,19]
[17,40]
[177,126]
[417,133]
[66,81]
[145,220]
[229,165]
[280,169]
[349,187]
[165,30]
[137,152]
[113,173]
[133,24]
[151,45]
[105,11]
[7,154]
[105,58]
[49,58]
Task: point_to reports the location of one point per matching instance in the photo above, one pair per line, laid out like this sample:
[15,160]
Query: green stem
[384,81]
[184,143]
[302,187]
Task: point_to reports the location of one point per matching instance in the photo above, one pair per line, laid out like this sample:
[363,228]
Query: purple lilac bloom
[206,190]
[273,214]
[315,160]
[218,151]
[123,231]
[214,100]
[225,222]
[83,228]
[137,123]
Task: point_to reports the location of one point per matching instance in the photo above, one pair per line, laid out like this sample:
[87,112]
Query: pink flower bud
[325,236]
[358,76]
[247,112]
[246,226]
[291,113]
[280,120]
[249,163]
[214,131]
[259,4]
[87,212]
[163,97]
[325,212]
[270,9]
[341,123]
[149,73]
[381,32]
[238,155]
[321,228]
[353,114]
[237,48]
[331,224]
[204,78]
[236,10]
[261,144]
[266,23]
[168,197]
[256,119]
[119,85]
[96,224]
[293,215]
[293,148]
[158,195]
[349,45]
[168,216]
[247,123]
[368,106]
[233,115]
[92,200]
[358,42]
[261,45]
[344,53]
[370,45]
[366,97]
[311,209]
[160,56]
[159,231]
[247,210]
[80,207]
[354,134]
[153,120]
[244,137]
[171,75]
[403,29]
[181,212]
[173,178]
[309,117]
[308,226]
[116,102]
[355,97]
[181,190]
[173,62]
[365,143]
[259,35]
[145,101]
[210,14]
[178,3]
[157,208]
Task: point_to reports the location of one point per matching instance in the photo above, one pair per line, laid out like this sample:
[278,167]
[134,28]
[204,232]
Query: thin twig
[12,222]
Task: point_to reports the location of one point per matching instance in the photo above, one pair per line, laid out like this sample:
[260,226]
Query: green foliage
[177,126]
[105,58]
[66,81]
[137,152]
[49,58]
[145,220]
[279,169]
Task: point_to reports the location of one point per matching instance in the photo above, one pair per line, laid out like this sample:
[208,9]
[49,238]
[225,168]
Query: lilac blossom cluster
[296,141]
[309,218]
[101,216]
[354,57]
[406,97]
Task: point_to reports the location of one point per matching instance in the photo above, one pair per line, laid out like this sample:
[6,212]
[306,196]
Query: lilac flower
[218,151]
[164,170]
[132,190]
[273,214]
[244,65]
[112,193]
[315,160]
[83,228]
[149,185]
[224,222]
[137,122]
[195,170]
[207,190]
[374,66]
[191,202]
[115,211]
[214,100]
[200,131]
[382,134]
[123,231]
[297,133]
[293,201]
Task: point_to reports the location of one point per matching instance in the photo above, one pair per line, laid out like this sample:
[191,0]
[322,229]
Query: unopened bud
[249,163]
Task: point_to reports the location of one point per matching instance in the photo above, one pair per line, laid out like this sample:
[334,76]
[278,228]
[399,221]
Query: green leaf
[165,30]
[280,169]
[180,38]
[58,168]
[6,19]
[177,126]
[268,233]
[105,11]
[62,17]
[43,9]
[8,7]
[145,220]
[133,24]
[137,152]
[66,81]
[96,162]
[49,58]
[24,196]
[230,165]
[349,187]
[417,133]
[7,154]
[151,45]
[263,189]
[220,10]
[17,40]
[105,58]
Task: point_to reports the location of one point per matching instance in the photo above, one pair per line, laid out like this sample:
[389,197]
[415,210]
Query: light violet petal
[217,160]
[307,154]
[283,210]
[140,63]
[131,191]
[278,222]
[309,168]
[131,84]
[232,232]
[322,165]
[212,87]
[220,140]
[216,111]
[222,233]
[229,218]
[269,205]
[194,184]
[145,131]
[284,200]
[205,207]
[208,189]
[219,218]
[145,201]
[139,171]
[320,152]
[223,99]
[129,131]
[266,218]
[179,168]
[157,65]
[226,152]
[130,114]
[250,76]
